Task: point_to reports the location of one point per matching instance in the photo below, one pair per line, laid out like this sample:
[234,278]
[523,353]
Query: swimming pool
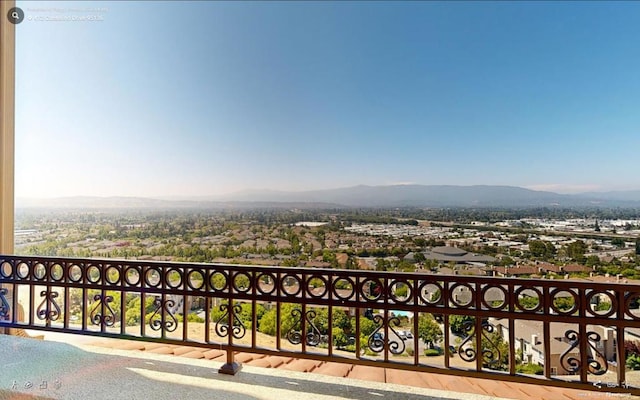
[399,313]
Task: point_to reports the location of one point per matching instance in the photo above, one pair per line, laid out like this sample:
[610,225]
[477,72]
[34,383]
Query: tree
[271,249]
[244,316]
[405,266]
[541,249]
[401,290]
[631,347]
[495,351]
[419,257]
[591,261]
[350,264]
[618,242]
[367,326]
[382,264]
[529,302]
[287,321]
[506,260]
[96,305]
[576,250]
[564,303]
[456,322]
[537,248]
[550,250]
[295,244]
[429,330]
[340,320]
[340,339]
[132,315]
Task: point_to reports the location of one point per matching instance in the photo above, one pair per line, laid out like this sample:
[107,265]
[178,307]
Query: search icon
[15,15]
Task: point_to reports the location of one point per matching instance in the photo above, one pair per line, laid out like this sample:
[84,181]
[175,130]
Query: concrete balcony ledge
[72,369]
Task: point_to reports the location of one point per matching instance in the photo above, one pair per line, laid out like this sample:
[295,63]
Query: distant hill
[440,196]
[627,196]
[89,202]
[361,196]
[93,202]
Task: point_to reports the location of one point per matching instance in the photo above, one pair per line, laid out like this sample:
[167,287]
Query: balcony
[478,328]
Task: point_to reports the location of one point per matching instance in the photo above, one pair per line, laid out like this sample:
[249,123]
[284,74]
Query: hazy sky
[204,98]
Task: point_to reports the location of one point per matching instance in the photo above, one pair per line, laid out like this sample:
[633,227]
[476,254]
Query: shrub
[190,318]
[633,362]
[530,369]
[350,347]
[432,352]
[631,347]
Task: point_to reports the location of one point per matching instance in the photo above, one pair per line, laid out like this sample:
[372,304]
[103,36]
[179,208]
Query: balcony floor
[83,367]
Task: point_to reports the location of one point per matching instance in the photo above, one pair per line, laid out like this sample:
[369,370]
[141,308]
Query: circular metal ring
[75,273]
[193,282]
[521,292]
[116,271]
[132,275]
[261,285]
[453,296]
[337,288]
[285,288]
[324,289]
[168,281]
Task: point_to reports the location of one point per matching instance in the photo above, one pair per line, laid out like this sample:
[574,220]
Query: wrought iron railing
[570,333]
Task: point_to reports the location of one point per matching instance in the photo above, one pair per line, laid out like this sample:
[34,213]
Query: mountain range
[360,196]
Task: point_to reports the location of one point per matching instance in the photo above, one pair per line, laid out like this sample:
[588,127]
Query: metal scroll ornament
[162,318]
[97,318]
[377,341]
[312,337]
[597,365]
[491,355]
[49,310]
[4,305]
[222,324]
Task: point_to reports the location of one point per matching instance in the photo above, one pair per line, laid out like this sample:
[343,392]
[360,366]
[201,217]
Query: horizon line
[548,188]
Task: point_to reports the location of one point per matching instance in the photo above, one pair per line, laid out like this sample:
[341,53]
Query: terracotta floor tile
[277,361]
[246,357]
[178,351]
[150,346]
[432,381]
[126,345]
[161,350]
[460,384]
[334,369]
[409,378]
[213,353]
[367,373]
[302,365]
[261,362]
[195,354]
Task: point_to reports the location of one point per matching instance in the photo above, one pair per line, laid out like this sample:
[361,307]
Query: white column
[7,108]
[7,121]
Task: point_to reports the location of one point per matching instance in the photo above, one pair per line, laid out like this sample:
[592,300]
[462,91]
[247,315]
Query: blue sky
[205,98]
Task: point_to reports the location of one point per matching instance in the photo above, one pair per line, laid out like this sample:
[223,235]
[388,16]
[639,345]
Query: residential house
[529,343]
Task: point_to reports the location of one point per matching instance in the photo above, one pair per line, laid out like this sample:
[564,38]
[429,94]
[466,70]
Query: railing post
[231,367]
